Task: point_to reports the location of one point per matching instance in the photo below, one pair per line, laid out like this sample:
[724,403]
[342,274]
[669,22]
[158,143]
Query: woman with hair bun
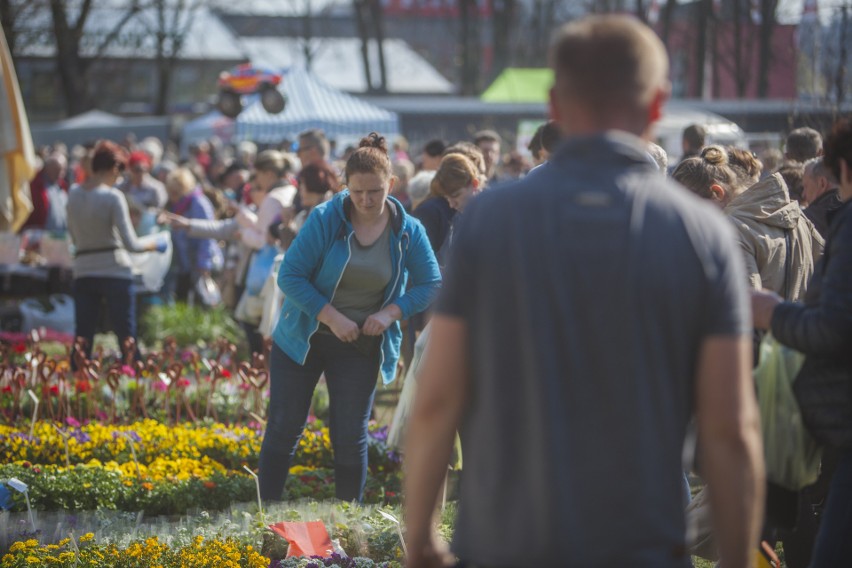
[357,267]
[779,243]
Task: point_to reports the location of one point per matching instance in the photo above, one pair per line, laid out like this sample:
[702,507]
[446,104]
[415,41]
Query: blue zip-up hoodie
[315,262]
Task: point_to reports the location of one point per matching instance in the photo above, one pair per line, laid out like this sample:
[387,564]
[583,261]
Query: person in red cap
[140,186]
[146,196]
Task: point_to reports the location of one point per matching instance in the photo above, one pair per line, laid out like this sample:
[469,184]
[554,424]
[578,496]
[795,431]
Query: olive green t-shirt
[362,287]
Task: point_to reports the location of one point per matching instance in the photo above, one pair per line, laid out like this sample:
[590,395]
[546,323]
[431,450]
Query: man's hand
[763,304]
[433,554]
[377,323]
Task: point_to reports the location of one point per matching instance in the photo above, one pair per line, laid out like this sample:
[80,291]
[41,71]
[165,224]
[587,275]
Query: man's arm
[442,387]
[731,446]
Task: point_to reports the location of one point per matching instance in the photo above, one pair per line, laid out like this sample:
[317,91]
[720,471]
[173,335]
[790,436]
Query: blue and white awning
[313,104]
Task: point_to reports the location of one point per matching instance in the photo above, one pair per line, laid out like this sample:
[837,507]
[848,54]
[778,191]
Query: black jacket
[822,208]
[822,326]
[822,330]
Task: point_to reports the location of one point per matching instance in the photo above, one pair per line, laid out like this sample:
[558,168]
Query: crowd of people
[592,310]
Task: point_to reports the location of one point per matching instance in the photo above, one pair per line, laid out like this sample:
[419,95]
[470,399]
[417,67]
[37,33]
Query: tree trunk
[641,12]
[502,20]
[361,21]
[69,64]
[767,30]
[307,34]
[739,77]
[668,16]
[467,11]
[840,79]
[377,17]
[7,19]
[702,19]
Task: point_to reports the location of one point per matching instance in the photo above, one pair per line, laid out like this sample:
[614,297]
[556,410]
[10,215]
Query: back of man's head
[609,69]
[694,138]
[486,136]
[315,138]
[816,169]
[434,148]
[803,144]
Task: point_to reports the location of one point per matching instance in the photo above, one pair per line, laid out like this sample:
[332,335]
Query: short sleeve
[728,305]
[456,294]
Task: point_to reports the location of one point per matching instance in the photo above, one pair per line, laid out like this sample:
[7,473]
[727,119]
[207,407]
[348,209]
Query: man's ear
[658,101]
[553,106]
[845,172]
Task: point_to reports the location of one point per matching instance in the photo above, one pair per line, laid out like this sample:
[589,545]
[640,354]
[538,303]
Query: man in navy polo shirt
[588,313]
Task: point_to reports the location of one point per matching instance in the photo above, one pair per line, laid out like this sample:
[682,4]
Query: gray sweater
[102,233]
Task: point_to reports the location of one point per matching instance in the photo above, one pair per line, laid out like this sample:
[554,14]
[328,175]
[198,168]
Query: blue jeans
[120,298]
[833,544]
[351,377]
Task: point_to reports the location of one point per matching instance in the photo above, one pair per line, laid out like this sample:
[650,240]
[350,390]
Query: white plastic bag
[152,267]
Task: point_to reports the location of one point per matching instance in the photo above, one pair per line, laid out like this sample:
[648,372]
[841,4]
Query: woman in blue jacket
[359,265]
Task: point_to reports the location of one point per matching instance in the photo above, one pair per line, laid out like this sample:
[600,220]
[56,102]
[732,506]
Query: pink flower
[128,371]
[161,386]
[73,422]
[183,382]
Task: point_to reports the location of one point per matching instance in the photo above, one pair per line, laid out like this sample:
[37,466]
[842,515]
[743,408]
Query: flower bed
[362,533]
[176,468]
[231,446]
[200,553]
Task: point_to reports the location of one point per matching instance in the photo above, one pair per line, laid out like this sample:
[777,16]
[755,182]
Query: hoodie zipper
[333,292]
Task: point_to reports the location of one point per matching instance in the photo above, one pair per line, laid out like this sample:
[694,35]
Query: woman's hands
[341,326]
[347,330]
[377,323]
[173,220]
[763,303]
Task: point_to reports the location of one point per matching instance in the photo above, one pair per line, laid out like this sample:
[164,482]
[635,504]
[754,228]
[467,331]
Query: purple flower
[73,422]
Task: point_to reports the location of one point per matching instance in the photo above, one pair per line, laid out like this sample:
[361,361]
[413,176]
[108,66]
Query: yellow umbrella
[18,163]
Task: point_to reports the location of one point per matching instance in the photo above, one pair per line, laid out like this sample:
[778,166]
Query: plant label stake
[76,548]
[22,487]
[396,522]
[133,453]
[35,412]
[260,420]
[257,484]
[65,436]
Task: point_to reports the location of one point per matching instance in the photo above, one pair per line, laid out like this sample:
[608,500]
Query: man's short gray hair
[816,168]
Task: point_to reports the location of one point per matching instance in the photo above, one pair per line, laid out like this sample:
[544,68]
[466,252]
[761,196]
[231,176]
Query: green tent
[520,85]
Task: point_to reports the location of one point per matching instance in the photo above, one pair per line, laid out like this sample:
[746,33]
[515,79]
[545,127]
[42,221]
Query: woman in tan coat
[780,245]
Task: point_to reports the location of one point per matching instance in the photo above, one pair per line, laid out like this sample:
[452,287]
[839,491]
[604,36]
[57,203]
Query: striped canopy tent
[313,104]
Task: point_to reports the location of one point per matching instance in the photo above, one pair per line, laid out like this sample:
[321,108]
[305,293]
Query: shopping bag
[792,455]
[260,268]
[305,538]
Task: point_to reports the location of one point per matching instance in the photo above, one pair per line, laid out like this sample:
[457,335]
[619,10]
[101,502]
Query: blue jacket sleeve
[302,259]
[424,276]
